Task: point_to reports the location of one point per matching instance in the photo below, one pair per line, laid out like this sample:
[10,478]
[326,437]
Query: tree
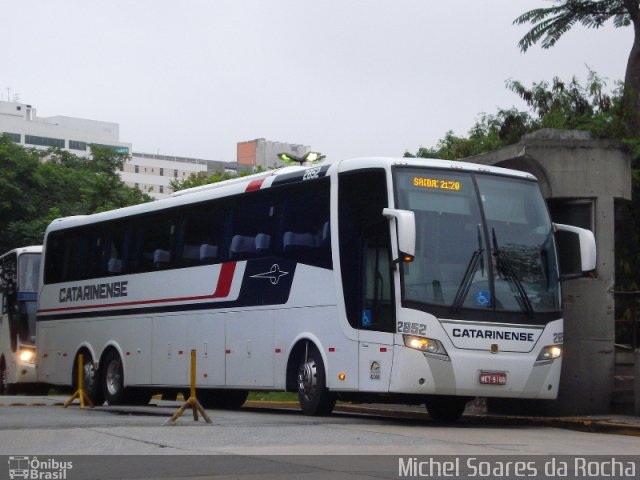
[549,24]
[489,133]
[556,104]
[572,106]
[38,186]
[561,105]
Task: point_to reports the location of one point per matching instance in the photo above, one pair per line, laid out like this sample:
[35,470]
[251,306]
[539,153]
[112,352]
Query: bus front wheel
[314,397]
[446,409]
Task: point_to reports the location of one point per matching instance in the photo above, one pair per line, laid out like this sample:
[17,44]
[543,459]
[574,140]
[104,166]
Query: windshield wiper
[506,270]
[465,284]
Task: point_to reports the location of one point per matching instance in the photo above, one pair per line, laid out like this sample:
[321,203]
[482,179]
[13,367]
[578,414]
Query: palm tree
[550,23]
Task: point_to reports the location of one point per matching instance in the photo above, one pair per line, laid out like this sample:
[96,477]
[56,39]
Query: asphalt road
[267,443]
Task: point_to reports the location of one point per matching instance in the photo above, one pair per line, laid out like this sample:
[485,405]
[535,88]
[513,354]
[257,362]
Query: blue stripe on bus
[262,285]
[27,296]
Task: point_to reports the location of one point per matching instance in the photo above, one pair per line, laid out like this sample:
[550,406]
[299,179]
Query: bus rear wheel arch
[90,377]
[112,382]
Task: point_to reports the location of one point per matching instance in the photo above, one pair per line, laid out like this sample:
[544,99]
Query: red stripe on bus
[254,185]
[223,288]
[224,280]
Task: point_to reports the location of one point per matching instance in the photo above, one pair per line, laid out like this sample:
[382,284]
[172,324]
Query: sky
[349,78]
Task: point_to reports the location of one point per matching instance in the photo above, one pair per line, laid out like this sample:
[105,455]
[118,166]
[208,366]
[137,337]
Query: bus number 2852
[412,328]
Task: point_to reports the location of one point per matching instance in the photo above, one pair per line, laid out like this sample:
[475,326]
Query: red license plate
[493,378]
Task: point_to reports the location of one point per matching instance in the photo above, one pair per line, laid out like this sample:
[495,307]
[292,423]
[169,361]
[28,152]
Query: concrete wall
[571,166]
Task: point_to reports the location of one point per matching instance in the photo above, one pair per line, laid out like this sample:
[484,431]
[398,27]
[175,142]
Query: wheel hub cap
[307,378]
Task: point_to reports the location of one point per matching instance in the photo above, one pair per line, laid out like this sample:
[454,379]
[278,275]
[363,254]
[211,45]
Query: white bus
[416,281]
[19,271]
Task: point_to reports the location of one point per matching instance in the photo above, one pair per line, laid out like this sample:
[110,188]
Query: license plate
[493,378]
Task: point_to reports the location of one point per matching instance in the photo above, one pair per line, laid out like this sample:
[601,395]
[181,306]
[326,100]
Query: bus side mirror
[406,227]
[576,251]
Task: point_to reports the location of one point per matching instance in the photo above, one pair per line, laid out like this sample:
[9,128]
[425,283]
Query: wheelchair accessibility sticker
[483,298]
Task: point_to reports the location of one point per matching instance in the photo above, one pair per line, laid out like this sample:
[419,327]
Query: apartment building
[264,153]
[153,173]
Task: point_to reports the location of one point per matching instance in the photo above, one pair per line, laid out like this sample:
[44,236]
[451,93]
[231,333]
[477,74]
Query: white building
[152,173]
[20,122]
[148,172]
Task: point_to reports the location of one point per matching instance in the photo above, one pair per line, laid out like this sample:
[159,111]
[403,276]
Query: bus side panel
[170,356]
[135,346]
[206,334]
[250,348]
[44,369]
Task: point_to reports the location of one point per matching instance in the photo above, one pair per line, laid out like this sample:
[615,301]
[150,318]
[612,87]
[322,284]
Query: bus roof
[266,179]
[364,162]
[21,250]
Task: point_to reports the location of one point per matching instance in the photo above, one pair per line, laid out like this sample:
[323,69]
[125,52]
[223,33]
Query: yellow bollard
[192,400]
[80,393]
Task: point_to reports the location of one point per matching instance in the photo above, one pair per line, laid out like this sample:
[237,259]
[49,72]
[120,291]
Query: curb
[618,425]
[582,424]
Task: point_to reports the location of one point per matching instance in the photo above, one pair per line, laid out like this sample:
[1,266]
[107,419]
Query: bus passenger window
[306,236]
[242,247]
[208,253]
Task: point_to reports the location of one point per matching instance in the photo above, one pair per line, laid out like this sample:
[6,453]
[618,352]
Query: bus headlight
[425,345]
[27,355]
[549,353]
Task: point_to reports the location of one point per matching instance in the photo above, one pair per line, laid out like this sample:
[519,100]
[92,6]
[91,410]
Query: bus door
[377,320]
[366,274]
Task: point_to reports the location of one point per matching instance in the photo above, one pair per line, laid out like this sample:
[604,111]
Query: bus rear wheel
[113,378]
[446,409]
[90,382]
[315,398]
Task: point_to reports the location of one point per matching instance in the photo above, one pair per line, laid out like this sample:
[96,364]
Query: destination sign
[437,183]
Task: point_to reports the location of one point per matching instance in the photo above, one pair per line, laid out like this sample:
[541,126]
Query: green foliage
[574,106]
[549,24]
[38,186]
[555,104]
[488,133]
[562,105]
[202,178]
[552,22]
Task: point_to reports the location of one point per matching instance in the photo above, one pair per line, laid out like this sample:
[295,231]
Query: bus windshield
[28,270]
[482,242]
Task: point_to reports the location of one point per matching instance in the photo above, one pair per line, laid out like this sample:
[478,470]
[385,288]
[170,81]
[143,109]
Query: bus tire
[5,387]
[90,379]
[313,394]
[222,399]
[446,409]
[113,378]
